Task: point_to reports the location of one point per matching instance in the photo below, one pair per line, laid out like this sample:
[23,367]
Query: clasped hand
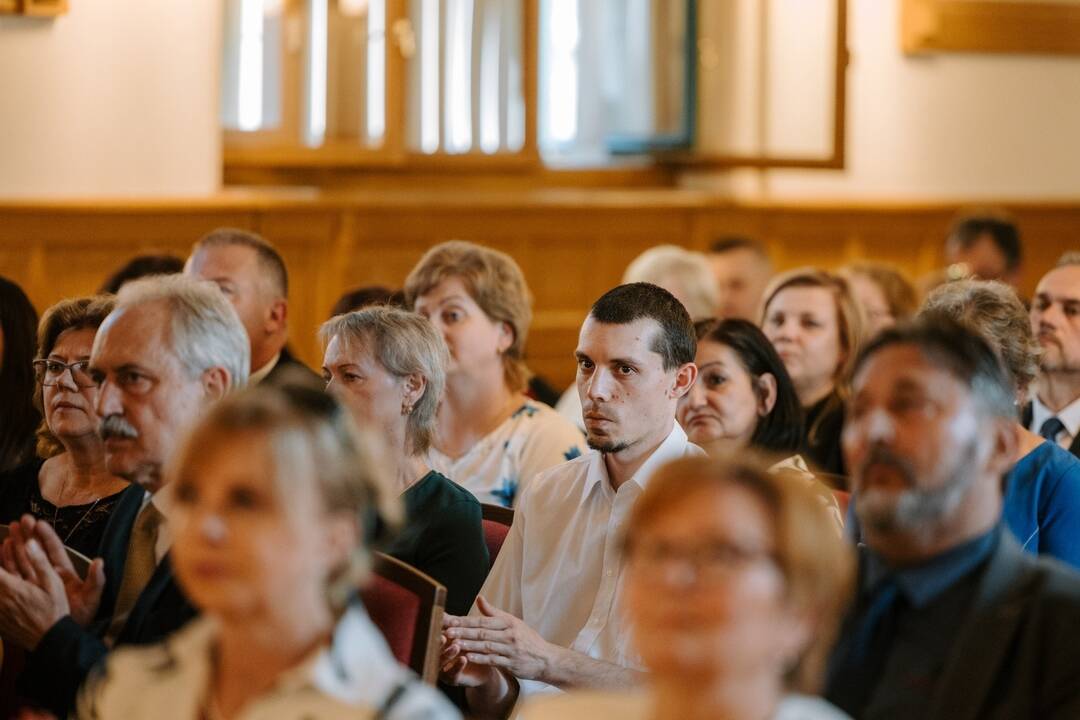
[39,585]
[475,648]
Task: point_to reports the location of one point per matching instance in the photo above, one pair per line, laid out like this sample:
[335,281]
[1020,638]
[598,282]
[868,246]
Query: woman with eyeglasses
[735,587]
[68,484]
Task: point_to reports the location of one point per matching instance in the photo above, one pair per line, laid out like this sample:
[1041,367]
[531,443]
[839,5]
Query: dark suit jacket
[287,360]
[1025,419]
[66,654]
[1017,654]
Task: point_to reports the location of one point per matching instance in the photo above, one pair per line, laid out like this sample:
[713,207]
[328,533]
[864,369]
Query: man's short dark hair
[141,266]
[268,256]
[1002,231]
[676,342]
[964,354]
[731,243]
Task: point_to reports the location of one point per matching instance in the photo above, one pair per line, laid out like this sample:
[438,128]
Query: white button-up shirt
[561,566]
[1069,417]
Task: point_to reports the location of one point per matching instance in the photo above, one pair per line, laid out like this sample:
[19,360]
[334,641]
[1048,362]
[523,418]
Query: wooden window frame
[998,26]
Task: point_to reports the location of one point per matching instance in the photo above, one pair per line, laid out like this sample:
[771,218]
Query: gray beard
[919,512]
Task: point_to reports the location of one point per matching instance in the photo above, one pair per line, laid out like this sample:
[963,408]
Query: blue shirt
[1042,503]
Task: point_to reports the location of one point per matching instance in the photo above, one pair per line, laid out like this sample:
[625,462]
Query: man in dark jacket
[951,620]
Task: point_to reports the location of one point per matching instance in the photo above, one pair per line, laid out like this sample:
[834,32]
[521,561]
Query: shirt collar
[674,446]
[923,583]
[259,375]
[1069,416]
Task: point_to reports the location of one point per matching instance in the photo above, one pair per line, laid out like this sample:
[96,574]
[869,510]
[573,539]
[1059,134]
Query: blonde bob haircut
[404,343]
[684,273]
[494,281]
[309,438]
[816,562]
[82,313]
[849,320]
[898,291]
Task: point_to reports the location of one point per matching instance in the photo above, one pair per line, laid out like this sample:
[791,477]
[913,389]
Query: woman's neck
[813,394]
[403,466]
[255,651]
[745,697]
[79,474]
[471,409]
[721,447]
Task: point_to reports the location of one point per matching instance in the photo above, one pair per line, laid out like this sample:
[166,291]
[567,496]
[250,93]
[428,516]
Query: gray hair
[684,273]
[992,309]
[1072,257]
[205,330]
[404,343]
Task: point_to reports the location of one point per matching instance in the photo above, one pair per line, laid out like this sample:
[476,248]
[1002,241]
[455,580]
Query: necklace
[56,518]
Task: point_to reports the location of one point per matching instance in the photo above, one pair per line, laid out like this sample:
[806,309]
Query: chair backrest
[496,520]
[407,606]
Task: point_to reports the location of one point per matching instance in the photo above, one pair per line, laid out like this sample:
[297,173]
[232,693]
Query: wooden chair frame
[424,657]
[497,513]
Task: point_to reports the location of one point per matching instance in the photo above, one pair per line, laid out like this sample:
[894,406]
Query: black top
[443,537]
[80,527]
[824,423]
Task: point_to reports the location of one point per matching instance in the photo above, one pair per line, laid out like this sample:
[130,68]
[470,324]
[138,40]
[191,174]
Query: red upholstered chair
[407,607]
[497,521]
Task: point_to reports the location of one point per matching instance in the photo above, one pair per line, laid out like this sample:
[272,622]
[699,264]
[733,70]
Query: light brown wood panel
[990,26]
[572,244]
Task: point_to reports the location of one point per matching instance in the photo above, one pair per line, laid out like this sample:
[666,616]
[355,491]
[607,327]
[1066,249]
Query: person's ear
[276,316]
[766,386]
[506,337]
[684,380]
[216,382]
[412,389]
[1005,439]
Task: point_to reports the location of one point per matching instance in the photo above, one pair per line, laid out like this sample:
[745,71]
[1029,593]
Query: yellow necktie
[138,568]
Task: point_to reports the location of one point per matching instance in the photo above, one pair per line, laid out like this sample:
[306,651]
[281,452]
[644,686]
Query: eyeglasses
[49,372]
[711,561]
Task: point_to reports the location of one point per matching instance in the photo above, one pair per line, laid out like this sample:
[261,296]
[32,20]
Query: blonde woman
[811,318]
[490,437]
[736,580]
[273,494]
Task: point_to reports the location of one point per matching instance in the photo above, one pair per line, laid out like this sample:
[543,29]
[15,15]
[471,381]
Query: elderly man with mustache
[172,346]
[952,620]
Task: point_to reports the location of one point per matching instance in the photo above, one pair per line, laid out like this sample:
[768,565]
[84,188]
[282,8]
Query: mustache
[882,456]
[115,426]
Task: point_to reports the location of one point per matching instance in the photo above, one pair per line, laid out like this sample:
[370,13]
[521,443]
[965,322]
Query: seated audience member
[362,297]
[551,612]
[951,620]
[1054,411]
[490,437]
[813,322]
[742,270]
[170,348]
[273,493]
[735,586]
[141,266]
[70,486]
[744,398]
[885,296]
[19,420]
[684,274]
[388,367]
[252,274]
[985,245]
[1042,490]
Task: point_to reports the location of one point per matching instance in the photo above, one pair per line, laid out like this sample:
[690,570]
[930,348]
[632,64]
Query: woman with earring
[387,366]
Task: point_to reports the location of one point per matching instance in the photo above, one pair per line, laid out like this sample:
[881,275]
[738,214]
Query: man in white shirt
[171,347]
[252,274]
[1055,319]
[550,612]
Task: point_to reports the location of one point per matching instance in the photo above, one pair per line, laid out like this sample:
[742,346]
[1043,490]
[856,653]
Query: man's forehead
[132,332]
[223,257]
[618,339]
[1063,282]
[904,367]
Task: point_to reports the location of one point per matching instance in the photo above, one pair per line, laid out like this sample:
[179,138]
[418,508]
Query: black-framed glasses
[49,372]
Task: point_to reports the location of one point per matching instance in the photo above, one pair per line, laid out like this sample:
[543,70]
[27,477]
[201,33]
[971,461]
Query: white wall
[948,126]
[115,98]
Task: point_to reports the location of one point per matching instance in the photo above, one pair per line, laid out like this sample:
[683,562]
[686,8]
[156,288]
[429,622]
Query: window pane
[251,77]
[466,80]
